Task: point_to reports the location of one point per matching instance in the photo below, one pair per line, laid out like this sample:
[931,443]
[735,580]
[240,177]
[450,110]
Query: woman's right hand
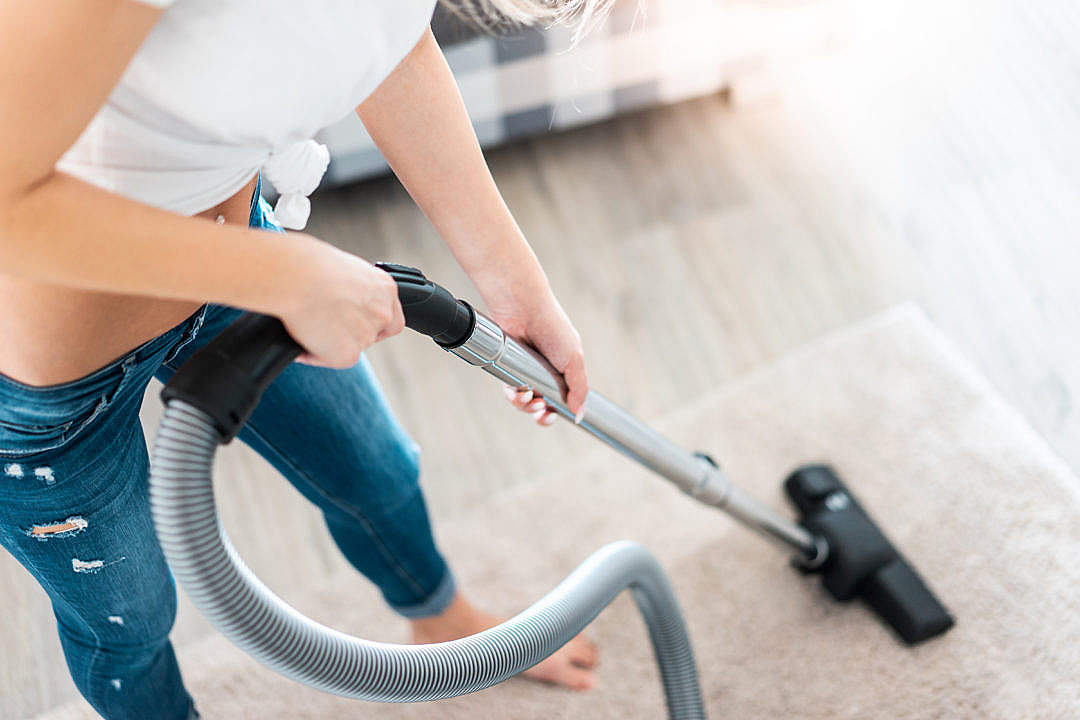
[338,306]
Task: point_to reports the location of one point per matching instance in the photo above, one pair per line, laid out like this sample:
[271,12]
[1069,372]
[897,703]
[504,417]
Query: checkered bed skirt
[647,53]
[531,81]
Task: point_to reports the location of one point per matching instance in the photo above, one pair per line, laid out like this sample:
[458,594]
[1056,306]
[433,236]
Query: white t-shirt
[222,88]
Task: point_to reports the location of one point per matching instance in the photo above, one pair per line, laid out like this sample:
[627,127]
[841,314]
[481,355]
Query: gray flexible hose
[260,623]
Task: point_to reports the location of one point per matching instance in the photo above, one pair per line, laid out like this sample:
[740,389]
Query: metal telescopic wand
[488,347]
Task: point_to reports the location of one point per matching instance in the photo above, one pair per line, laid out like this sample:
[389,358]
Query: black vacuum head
[861,561]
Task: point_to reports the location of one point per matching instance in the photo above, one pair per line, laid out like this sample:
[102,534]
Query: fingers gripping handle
[432,310]
[226,378]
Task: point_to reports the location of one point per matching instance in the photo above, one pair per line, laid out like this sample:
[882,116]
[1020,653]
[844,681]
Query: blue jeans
[75,507]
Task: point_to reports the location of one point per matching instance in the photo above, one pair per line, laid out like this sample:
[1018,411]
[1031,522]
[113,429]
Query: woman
[131,230]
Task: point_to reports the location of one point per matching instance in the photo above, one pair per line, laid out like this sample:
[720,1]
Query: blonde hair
[580,16]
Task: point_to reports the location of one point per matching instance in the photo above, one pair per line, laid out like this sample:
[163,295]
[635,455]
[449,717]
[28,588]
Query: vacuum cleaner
[210,398]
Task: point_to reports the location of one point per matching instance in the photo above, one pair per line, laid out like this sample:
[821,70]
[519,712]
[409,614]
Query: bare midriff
[54,334]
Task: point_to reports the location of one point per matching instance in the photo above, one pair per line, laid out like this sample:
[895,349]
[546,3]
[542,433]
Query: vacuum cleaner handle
[227,377]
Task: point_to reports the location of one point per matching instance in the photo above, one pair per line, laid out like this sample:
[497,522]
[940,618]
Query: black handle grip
[430,309]
[226,378]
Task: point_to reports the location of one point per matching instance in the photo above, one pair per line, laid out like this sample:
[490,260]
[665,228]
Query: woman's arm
[58,62]
[419,122]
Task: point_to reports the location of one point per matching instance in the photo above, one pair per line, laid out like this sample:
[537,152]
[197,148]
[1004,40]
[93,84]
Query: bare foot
[570,666]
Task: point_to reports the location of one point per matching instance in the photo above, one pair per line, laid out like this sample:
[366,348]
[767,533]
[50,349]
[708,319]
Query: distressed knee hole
[13,470]
[59,528]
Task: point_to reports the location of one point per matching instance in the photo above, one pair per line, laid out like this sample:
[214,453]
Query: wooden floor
[934,158]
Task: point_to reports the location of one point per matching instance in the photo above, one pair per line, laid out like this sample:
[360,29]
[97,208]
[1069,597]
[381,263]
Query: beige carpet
[970,493]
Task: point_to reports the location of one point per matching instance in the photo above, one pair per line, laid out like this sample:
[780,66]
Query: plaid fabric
[532,81]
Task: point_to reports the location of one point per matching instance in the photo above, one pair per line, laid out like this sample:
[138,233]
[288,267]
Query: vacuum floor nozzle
[861,561]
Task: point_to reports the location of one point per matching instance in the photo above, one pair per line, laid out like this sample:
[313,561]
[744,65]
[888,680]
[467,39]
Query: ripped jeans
[74,505]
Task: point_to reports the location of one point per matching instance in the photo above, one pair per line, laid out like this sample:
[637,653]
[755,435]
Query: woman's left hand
[544,325]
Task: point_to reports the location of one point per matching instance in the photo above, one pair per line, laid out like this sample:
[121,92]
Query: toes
[577,678]
[583,652]
[558,671]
